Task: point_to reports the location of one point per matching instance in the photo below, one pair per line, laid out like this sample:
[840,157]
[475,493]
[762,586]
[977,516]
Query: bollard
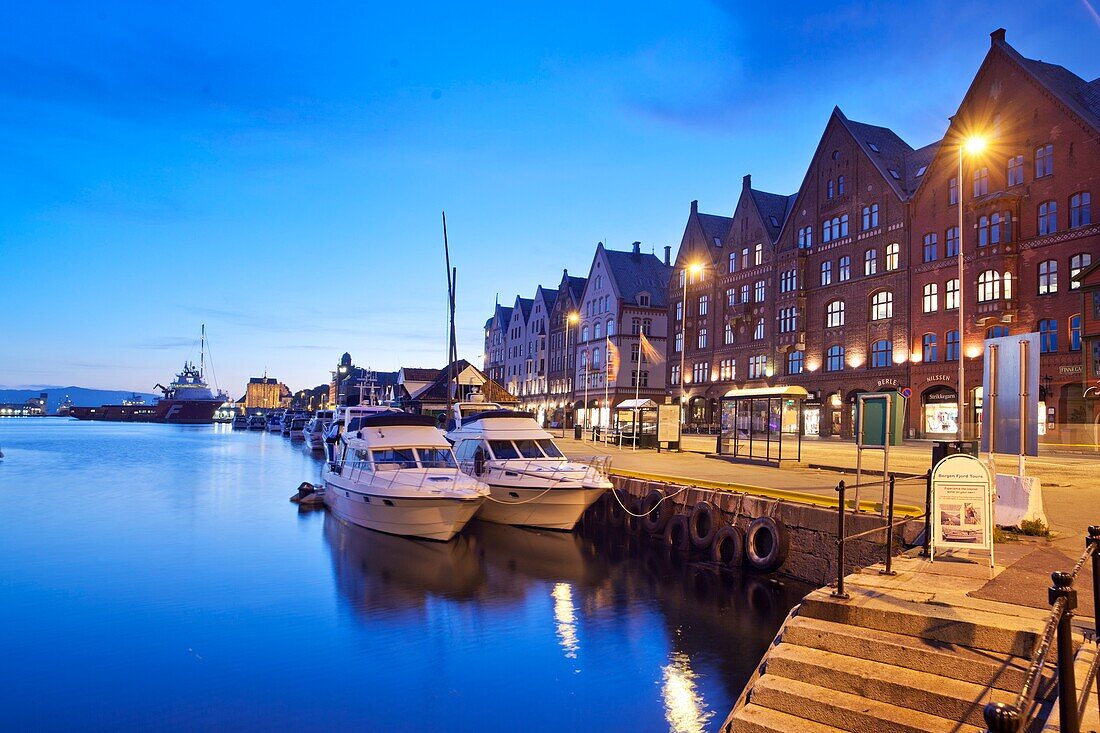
[927,550]
[839,592]
[890,531]
[1067,687]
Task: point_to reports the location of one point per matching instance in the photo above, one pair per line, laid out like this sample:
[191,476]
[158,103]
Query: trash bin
[577,431]
[943,448]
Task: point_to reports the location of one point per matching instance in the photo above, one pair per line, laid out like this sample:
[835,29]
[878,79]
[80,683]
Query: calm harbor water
[157,577]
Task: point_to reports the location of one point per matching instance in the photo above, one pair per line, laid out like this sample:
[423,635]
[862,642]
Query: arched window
[795,362]
[1048,217]
[996,332]
[843,225]
[870,262]
[952,346]
[758,256]
[829,190]
[931,302]
[758,332]
[928,348]
[1048,277]
[834,314]
[610,327]
[827,231]
[840,185]
[1077,263]
[881,353]
[882,305]
[597,330]
[596,358]
[584,361]
[893,256]
[1048,336]
[584,332]
[1008,286]
[951,294]
[989,286]
[834,358]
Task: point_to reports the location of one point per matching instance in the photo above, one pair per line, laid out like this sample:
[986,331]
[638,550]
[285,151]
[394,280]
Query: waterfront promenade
[1071,488]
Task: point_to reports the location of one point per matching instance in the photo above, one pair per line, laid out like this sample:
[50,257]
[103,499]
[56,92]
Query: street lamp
[686,273]
[972,146]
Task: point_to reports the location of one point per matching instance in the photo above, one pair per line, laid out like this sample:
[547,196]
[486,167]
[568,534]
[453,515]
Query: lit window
[703,301]
[733,262]
[834,314]
[758,258]
[989,286]
[881,352]
[679,343]
[834,358]
[795,362]
[758,332]
[870,262]
[760,289]
[728,335]
[827,272]
[931,301]
[882,305]
[702,338]
[1048,277]
[893,256]
[1077,263]
[951,294]
[845,269]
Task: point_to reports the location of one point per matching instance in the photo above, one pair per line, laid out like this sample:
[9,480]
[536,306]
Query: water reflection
[566,618]
[685,710]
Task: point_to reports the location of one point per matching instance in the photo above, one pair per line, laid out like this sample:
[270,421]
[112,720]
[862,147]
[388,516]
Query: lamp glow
[974,145]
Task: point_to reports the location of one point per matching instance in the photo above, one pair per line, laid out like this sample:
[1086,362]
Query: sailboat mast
[450,317]
[202,352]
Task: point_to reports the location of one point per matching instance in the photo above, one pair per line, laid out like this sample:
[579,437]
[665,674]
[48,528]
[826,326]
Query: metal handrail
[1002,718]
[551,469]
[397,473]
[842,538]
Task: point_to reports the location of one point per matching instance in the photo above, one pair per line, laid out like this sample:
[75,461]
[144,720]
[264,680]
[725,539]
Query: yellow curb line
[904,510]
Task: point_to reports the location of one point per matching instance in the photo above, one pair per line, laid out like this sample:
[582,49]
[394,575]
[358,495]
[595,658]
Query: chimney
[997,36]
[668,255]
[695,207]
[746,182]
[637,248]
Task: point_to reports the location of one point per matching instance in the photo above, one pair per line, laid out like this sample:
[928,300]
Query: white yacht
[275,421]
[531,482]
[394,472]
[314,431]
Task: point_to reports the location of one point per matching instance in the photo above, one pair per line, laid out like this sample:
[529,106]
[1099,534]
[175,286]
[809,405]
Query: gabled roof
[773,209]
[715,227]
[885,149]
[524,304]
[1079,95]
[635,273]
[549,297]
[504,313]
[916,164]
[437,390]
[418,374]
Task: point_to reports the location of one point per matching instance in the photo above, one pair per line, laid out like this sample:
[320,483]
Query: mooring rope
[615,493]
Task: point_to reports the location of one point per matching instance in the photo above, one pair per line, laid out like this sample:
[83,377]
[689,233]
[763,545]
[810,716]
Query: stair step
[921,691]
[971,627]
[1002,671]
[845,711]
[755,719]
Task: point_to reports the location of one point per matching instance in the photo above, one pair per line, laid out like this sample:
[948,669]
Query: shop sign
[962,505]
[1070,369]
[887,382]
[938,378]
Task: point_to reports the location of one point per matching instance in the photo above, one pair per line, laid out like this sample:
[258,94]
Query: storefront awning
[791,391]
[636,404]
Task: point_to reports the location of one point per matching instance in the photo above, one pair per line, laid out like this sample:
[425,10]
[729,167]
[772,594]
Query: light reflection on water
[157,577]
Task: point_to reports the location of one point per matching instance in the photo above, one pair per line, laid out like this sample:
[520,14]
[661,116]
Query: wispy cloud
[168,343]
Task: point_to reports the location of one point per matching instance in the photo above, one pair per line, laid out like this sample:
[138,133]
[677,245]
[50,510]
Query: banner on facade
[612,362]
[962,505]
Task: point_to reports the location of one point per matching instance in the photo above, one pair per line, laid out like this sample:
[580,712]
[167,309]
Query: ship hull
[180,412]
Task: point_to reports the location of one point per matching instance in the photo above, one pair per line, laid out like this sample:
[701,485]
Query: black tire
[633,523]
[615,513]
[703,525]
[657,512]
[766,544]
[675,536]
[728,548]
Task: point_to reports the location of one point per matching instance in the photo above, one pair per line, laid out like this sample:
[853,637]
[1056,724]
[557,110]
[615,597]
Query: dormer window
[894,174]
[717,242]
[774,221]
[643,300]
[921,170]
[873,147]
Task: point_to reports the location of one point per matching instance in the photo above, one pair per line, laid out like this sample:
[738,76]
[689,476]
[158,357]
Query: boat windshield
[550,449]
[436,458]
[528,448]
[503,449]
[392,459]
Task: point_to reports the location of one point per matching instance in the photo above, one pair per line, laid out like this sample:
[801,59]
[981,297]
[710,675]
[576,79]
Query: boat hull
[559,509]
[431,518]
[315,441]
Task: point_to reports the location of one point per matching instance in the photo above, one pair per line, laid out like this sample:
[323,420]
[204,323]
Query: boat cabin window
[362,455]
[436,458]
[549,448]
[464,451]
[390,459]
[528,448]
[503,449]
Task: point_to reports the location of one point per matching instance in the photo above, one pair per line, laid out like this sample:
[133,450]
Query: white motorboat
[275,421]
[314,430]
[531,482]
[295,426]
[394,472]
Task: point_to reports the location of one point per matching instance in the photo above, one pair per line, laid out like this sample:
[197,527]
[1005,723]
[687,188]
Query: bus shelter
[636,423]
[763,424]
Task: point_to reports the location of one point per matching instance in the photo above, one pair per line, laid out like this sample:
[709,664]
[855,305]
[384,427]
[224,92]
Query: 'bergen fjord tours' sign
[962,505]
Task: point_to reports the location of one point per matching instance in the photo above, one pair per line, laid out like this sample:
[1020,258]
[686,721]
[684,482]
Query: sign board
[871,418]
[962,505]
[1011,376]
[668,423]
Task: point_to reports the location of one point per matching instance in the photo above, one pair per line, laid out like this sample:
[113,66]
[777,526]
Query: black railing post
[1067,687]
[839,592]
[1001,718]
[927,549]
[890,530]
[1093,540]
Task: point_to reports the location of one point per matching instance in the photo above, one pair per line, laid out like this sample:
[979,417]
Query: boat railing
[406,474]
[595,468]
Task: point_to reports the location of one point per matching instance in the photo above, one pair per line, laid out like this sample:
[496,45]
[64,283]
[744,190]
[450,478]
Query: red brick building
[1027,229]
[851,283]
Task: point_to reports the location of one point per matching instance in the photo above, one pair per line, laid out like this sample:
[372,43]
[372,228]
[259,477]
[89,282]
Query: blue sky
[278,171]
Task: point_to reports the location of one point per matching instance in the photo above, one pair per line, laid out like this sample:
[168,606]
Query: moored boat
[531,482]
[314,431]
[395,473]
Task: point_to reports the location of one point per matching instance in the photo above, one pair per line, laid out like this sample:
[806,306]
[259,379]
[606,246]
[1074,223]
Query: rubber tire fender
[703,525]
[675,536]
[633,523]
[728,548]
[615,514]
[657,512]
[767,542]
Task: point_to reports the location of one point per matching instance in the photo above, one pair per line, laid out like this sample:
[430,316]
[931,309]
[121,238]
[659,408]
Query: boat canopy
[641,404]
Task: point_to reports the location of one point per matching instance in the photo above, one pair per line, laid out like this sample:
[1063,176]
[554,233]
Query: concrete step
[845,711]
[755,719]
[974,628]
[912,689]
[1002,671]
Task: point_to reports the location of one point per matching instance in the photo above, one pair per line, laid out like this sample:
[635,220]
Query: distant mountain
[81,396]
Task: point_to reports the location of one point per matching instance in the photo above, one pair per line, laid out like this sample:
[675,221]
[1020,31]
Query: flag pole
[606,383]
[637,391]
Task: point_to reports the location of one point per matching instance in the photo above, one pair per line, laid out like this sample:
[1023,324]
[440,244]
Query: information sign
[962,505]
[668,423]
